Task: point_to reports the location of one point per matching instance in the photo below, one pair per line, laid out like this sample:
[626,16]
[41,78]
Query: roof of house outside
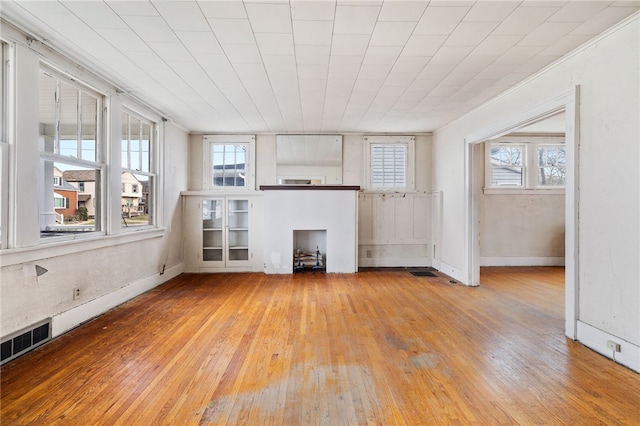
[79,175]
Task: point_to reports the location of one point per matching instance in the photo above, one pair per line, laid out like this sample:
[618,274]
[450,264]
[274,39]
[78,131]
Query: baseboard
[391,262]
[596,339]
[522,261]
[454,273]
[72,318]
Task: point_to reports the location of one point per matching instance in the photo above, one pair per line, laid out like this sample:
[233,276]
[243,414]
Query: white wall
[108,270]
[607,72]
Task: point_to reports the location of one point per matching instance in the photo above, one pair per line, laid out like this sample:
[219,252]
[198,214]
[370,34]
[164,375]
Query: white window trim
[154,172]
[409,141]
[208,140]
[530,165]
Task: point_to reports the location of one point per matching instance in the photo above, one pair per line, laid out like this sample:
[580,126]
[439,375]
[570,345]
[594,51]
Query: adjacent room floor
[377,347]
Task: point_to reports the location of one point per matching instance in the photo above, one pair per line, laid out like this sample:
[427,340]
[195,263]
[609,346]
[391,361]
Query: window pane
[70,203]
[507,165]
[134,153]
[89,120]
[135,199]
[229,164]
[69,119]
[145,145]
[388,166]
[551,165]
[125,141]
[47,112]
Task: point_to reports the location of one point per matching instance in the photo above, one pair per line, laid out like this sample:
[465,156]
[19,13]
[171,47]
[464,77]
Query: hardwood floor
[368,348]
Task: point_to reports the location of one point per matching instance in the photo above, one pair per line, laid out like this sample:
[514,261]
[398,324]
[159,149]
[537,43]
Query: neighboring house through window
[229,161]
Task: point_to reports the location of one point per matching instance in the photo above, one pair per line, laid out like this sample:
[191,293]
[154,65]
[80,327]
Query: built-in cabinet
[218,233]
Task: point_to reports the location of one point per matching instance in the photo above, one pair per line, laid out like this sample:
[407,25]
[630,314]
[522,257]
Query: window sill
[523,191]
[67,247]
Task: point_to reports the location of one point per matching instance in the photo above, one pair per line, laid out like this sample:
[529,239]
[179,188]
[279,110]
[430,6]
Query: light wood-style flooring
[379,347]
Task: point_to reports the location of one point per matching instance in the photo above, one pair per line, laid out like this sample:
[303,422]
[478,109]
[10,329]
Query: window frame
[409,142]
[98,164]
[153,172]
[209,141]
[7,100]
[530,164]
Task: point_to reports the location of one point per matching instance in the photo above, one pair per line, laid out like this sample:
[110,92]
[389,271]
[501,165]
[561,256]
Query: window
[60,202]
[138,176]
[390,163]
[537,162]
[229,162]
[5,72]
[69,139]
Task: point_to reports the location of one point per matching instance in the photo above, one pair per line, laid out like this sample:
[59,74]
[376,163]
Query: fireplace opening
[310,250]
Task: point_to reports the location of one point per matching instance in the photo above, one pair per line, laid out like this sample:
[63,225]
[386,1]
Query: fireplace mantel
[289,208]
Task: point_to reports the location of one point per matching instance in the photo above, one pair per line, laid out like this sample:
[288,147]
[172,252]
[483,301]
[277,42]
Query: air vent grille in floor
[24,341]
[423,274]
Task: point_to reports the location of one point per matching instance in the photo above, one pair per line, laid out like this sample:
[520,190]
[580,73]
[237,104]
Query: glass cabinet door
[212,230]
[238,230]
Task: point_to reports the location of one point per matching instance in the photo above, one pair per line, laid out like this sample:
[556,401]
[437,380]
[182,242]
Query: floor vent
[23,341]
[423,274]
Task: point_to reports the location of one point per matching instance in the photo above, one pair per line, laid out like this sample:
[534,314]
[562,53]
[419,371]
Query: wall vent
[23,341]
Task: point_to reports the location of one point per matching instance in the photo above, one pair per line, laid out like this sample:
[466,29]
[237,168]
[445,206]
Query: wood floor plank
[379,347]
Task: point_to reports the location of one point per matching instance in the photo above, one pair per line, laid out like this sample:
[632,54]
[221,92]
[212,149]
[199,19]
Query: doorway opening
[474,157]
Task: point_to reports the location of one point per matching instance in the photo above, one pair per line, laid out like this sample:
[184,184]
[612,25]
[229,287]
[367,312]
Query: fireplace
[312,218]
[309,250]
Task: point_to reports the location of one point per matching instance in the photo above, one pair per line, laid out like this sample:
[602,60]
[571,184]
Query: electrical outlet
[613,346]
[76,293]
[369,254]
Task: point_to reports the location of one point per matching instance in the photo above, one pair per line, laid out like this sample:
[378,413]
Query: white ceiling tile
[242,53]
[312,54]
[182,16]
[382,55]
[374,71]
[423,45]
[422,86]
[348,64]
[95,14]
[391,33]
[269,17]
[342,79]
[312,10]
[214,63]
[470,33]
[312,32]
[440,20]
[475,64]
[409,11]
[312,71]
[222,9]
[566,44]
[171,52]
[275,44]
[490,11]
[523,20]
[519,54]
[496,44]
[410,63]
[578,11]
[124,40]
[402,79]
[349,44]
[280,64]
[200,42]
[151,28]
[604,20]
[368,85]
[536,63]
[133,8]
[436,71]
[451,54]
[232,31]
[355,19]
[547,33]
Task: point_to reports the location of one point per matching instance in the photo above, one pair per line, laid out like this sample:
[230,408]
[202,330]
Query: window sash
[389,165]
[228,166]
